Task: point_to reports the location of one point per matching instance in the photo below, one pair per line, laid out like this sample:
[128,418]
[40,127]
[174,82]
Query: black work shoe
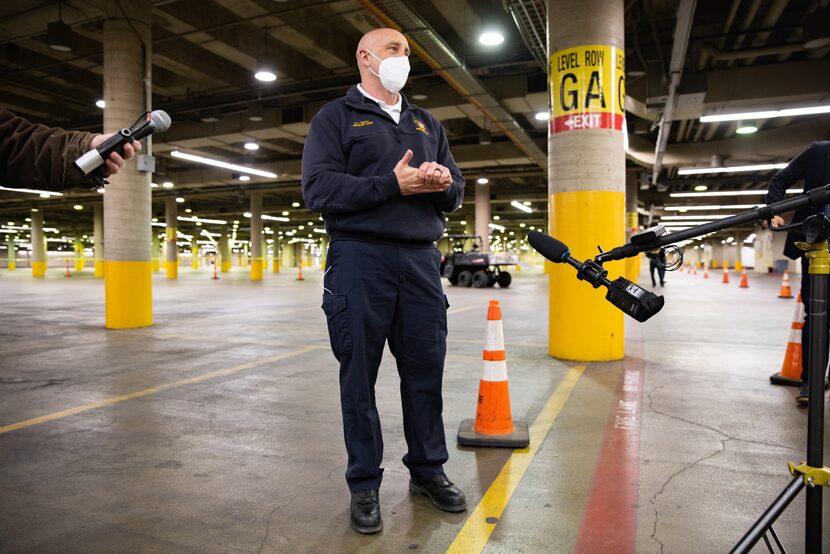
[803,396]
[365,512]
[444,495]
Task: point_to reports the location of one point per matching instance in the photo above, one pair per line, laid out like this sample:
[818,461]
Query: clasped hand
[429,177]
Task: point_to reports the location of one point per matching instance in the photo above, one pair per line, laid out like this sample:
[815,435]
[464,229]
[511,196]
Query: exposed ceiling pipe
[771,16]
[726,25]
[433,50]
[682,28]
[751,53]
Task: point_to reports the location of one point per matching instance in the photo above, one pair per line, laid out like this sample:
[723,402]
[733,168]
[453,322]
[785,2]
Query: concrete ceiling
[742,55]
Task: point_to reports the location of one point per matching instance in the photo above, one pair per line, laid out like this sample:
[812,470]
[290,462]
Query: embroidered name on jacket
[419,126]
[363,123]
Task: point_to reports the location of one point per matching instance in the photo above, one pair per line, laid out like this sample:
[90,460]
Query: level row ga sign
[587,88]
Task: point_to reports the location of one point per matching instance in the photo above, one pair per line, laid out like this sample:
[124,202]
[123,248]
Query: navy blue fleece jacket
[347,174]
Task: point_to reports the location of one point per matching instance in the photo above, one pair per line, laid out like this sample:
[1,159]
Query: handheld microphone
[151,122]
[622,293]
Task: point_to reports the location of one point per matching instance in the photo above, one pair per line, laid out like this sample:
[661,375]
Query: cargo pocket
[334,306]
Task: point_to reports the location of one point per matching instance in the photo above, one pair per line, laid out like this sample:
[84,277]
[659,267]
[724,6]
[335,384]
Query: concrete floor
[218,429]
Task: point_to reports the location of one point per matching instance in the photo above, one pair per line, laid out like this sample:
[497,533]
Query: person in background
[813,167]
[657,262]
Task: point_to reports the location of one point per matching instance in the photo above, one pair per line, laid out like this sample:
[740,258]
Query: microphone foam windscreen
[548,246]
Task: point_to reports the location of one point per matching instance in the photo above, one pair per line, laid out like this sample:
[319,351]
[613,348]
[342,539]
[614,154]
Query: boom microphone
[152,122]
[622,293]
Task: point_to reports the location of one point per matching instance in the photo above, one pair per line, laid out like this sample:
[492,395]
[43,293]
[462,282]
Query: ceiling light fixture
[202,220]
[167,185]
[78,207]
[747,128]
[732,169]
[542,116]
[701,188]
[519,206]
[59,35]
[224,165]
[482,180]
[42,193]
[251,146]
[180,200]
[766,114]
[713,207]
[244,178]
[491,38]
[496,227]
[101,104]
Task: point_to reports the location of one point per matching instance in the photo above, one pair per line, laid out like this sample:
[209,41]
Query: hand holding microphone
[111,150]
[622,293]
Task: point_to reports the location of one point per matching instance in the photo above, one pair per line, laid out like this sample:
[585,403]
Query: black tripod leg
[769,516]
[817,363]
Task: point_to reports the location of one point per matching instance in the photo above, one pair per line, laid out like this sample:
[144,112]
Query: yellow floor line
[459,310]
[154,390]
[476,531]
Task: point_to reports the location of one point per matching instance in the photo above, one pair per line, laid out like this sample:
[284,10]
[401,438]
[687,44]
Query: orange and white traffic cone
[706,272]
[790,373]
[725,275]
[67,274]
[494,425]
[215,265]
[785,292]
[744,280]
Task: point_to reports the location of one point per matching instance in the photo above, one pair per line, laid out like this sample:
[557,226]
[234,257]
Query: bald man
[380,171]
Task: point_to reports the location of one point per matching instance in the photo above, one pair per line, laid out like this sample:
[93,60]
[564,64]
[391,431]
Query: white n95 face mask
[393,72]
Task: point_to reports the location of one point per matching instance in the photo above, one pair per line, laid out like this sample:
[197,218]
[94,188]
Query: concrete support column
[632,265]
[225,251]
[586,170]
[11,253]
[483,215]
[38,245]
[79,253]
[256,236]
[127,203]
[194,253]
[156,250]
[171,261]
[288,258]
[98,232]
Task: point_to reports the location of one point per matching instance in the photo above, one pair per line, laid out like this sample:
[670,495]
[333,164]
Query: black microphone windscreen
[161,121]
[547,246]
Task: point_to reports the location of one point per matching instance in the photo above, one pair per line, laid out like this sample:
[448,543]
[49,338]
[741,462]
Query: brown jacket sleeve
[40,157]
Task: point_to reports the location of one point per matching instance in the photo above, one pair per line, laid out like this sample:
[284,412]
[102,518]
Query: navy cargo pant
[378,292]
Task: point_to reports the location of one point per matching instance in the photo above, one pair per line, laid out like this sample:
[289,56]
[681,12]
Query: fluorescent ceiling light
[202,220]
[42,193]
[157,224]
[167,185]
[716,207]
[746,129]
[701,188]
[712,216]
[319,230]
[224,165]
[766,114]
[494,226]
[491,38]
[732,169]
[78,207]
[482,180]
[275,218]
[101,104]
[251,146]
[542,116]
[519,206]
[244,177]
[728,193]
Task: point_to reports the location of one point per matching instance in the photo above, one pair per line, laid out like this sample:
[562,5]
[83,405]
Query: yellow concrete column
[194,253]
[11,253]
[80,262]
[156,250]
[38,244]
[98,231]
[257,263]
[224,251]
[171,263]
[586,170]
[127,203]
